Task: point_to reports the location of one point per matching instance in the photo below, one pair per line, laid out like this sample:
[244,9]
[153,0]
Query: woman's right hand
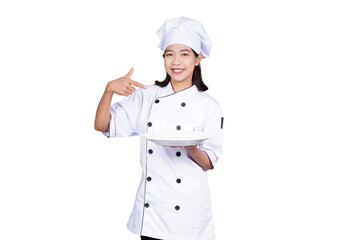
[123,86]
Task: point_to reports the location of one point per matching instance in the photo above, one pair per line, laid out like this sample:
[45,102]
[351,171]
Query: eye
[185,54]
[168,54]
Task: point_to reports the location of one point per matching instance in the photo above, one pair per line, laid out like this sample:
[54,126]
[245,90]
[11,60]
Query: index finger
[137,84]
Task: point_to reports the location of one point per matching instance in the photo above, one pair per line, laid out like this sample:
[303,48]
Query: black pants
[148,238]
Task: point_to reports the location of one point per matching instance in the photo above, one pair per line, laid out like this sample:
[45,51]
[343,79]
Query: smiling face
[180,62]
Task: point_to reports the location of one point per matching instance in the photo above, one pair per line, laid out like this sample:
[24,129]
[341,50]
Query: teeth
[177,70]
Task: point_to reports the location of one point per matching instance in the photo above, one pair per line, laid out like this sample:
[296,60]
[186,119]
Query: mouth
[177,70]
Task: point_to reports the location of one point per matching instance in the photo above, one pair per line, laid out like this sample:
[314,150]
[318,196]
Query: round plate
[177,140]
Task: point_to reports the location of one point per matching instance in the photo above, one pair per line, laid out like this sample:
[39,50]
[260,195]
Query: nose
[176,60]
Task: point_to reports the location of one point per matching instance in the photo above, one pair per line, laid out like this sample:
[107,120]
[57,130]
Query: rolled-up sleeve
[214,145]
[124,116]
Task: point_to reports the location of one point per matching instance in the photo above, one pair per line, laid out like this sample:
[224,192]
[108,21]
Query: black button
[177,208]
[150,151]
[148,179]
[178,180]
[183,104]
[178,154]
[157,101]
[146,205]
[149,124]
[178,127]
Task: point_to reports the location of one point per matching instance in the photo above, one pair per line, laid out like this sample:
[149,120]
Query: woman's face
[180,62]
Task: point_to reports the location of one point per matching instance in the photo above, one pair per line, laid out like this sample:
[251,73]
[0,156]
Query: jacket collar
[169,91]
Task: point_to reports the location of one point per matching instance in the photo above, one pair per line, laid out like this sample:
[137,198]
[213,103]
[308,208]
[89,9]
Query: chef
[173,198]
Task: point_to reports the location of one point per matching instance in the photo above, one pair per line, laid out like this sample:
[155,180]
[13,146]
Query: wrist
[108,88]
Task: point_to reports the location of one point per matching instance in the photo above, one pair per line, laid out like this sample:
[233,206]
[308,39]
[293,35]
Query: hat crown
[185,31]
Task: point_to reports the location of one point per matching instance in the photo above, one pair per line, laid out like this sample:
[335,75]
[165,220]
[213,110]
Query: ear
[198,59]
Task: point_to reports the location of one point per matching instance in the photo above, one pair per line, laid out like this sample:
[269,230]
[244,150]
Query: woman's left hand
[199,156]
[191,148]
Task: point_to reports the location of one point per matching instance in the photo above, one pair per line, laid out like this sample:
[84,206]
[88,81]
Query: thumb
[128,75]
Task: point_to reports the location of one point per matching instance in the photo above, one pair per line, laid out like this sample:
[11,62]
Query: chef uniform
[173,198]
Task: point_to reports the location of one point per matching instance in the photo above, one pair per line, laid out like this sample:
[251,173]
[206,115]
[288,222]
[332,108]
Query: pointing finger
[137,84]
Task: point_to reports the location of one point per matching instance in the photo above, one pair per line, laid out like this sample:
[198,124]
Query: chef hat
[184,31]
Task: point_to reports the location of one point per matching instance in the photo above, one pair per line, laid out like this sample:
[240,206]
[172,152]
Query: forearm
[121,86]
[200,157]
[102,117]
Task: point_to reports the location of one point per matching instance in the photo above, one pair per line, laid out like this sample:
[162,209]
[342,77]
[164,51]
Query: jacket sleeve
[214,145]
[124,116]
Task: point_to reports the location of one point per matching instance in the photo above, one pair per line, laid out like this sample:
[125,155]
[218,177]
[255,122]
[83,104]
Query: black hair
[196,78]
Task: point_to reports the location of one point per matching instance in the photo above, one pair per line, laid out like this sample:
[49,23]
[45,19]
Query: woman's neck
[180,85]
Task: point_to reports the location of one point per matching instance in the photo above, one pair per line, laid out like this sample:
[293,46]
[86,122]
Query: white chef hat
[185,31]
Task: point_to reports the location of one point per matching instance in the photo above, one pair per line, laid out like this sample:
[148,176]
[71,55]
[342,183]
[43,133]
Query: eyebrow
[183,50]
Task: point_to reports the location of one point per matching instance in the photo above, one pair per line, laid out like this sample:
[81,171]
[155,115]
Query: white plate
[178,140]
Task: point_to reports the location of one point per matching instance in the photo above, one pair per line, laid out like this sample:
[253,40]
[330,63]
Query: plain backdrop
[286,74]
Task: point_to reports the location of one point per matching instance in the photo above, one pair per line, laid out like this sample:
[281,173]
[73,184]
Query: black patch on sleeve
[222,122]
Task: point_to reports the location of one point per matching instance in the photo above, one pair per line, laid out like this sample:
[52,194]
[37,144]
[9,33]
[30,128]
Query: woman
[173,199]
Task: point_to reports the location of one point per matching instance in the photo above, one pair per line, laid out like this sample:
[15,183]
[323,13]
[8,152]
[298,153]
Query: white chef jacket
[173,198]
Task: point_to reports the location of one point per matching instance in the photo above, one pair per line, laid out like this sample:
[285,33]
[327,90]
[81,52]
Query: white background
[285,72]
